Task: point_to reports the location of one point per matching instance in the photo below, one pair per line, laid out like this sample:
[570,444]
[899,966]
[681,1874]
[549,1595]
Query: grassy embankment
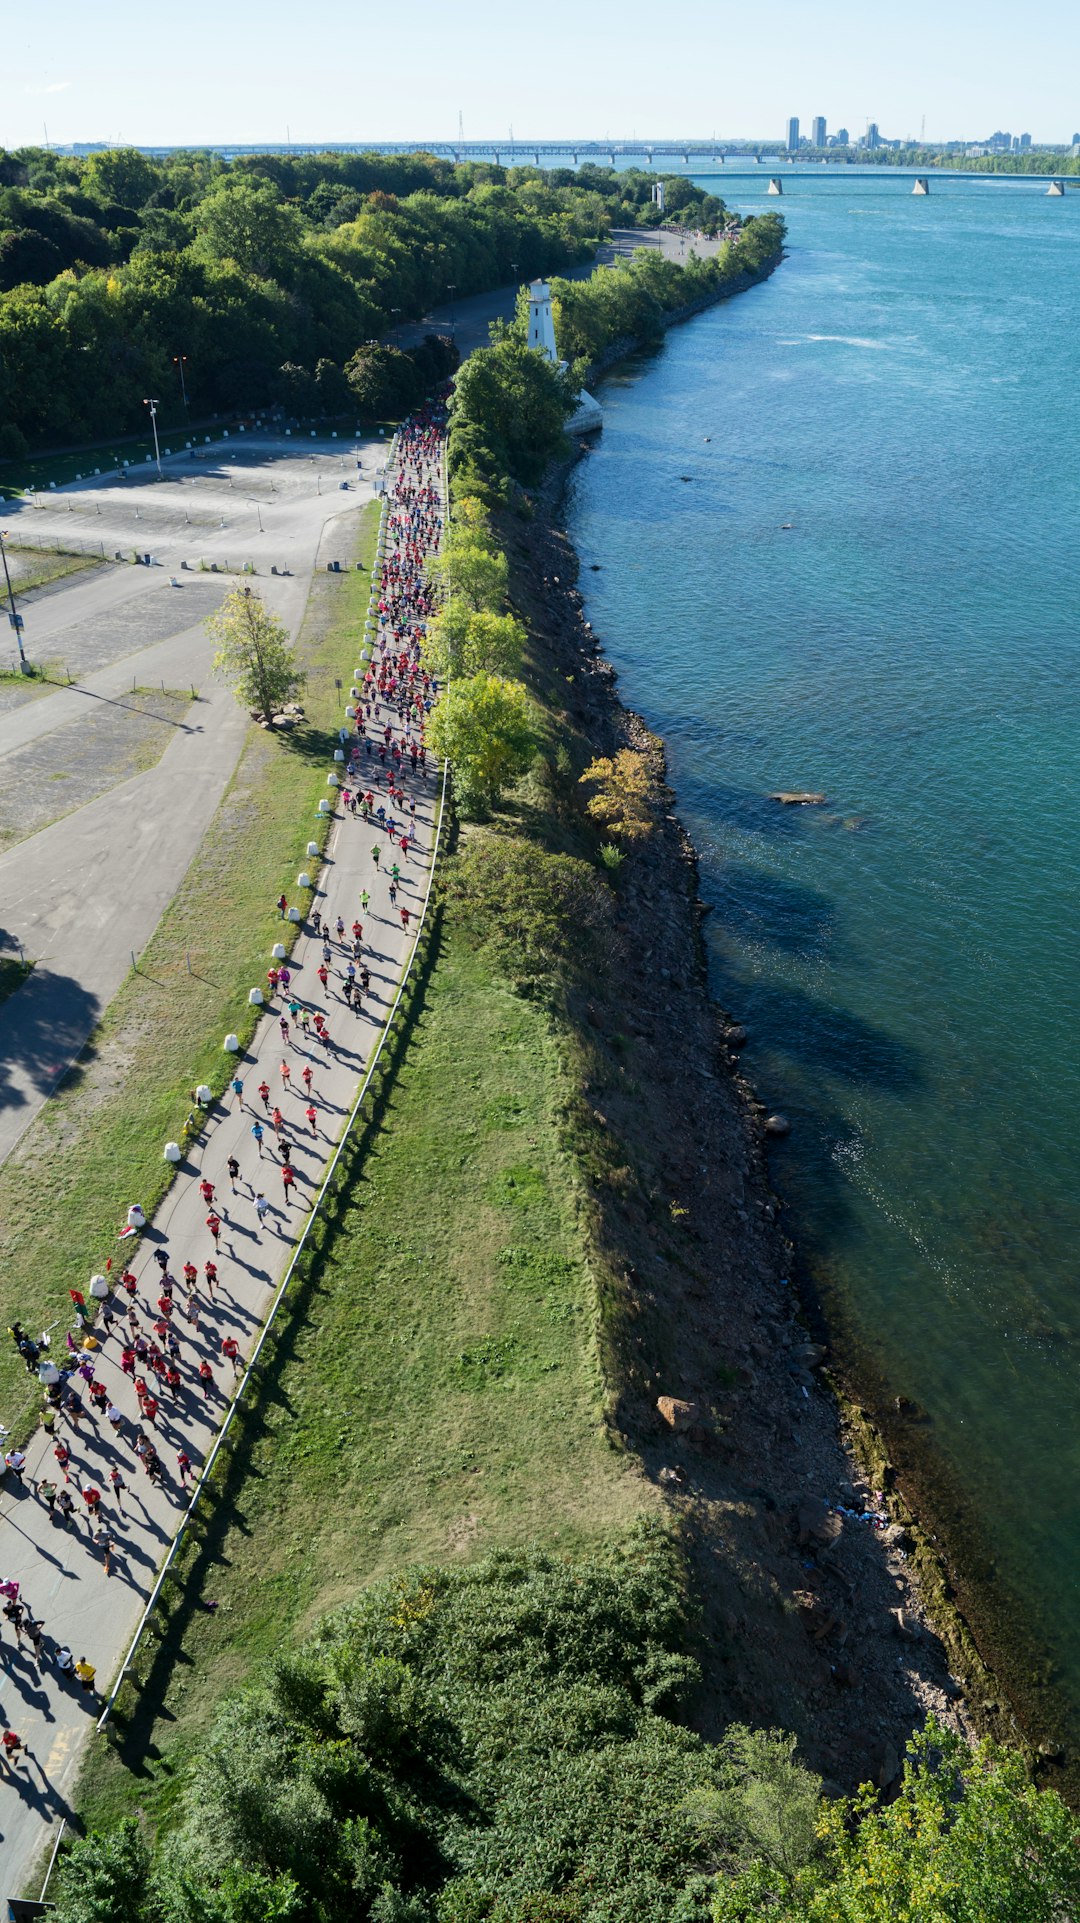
[436,1392]
[98,1141]
[38,567]
[95,754]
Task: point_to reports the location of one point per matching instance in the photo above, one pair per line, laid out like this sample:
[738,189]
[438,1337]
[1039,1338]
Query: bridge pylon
[1056,189]
[775,186]
[922,186]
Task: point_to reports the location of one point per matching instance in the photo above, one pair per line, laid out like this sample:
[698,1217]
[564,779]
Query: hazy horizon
[249,75]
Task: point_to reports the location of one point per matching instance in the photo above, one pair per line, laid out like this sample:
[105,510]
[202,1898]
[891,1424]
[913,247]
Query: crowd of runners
[161,1334]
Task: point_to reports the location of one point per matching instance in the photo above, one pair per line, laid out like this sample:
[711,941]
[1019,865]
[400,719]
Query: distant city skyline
[248,74]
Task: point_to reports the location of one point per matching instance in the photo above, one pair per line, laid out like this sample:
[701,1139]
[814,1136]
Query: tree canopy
[481,725]
[463,640]
[267,263]
[254,653]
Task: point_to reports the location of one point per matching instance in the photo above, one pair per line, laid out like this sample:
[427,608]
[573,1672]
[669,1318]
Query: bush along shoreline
[671,1727]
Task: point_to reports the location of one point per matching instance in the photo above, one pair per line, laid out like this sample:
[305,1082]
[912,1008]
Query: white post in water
[541,324]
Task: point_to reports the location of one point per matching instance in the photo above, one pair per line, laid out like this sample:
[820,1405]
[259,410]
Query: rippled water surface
[904,393]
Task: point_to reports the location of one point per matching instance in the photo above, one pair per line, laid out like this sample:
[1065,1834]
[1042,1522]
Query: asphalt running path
[469,320]
[84,894]
[60,1572]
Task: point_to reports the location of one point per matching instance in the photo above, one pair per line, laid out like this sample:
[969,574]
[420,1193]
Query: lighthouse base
[588,416]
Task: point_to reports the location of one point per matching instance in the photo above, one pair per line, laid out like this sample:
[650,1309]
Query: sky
[236,70]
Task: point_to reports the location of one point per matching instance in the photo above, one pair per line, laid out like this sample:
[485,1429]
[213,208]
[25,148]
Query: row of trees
[506,1744]
[1035,161]
[481,721]
[261,279]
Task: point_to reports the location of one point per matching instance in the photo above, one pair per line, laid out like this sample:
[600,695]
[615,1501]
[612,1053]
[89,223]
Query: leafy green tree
[472,572]
[383,381]
[333,390]
[254,653]
[27,256]
[624,794]
[464,640]
[251,225]
[296,388]
[121,174]
[481,725]
[967,1839]
[104,1879]
[519,403]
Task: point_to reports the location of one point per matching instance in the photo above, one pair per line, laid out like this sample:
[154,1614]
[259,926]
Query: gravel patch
[74,764]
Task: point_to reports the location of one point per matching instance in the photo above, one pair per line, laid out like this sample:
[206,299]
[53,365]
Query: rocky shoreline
[822,1608]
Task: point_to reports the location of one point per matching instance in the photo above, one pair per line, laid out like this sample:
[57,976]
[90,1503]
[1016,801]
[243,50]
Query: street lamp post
[153,406]
[452,290]
[180,362]
[14,616]
[258,511]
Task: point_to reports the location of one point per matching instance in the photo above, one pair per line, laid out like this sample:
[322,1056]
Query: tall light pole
[14,616]
[452,290]
[153,406]
[258,511]
[180,362]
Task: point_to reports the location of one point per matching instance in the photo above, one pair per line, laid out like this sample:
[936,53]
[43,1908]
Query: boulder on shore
[678,1415]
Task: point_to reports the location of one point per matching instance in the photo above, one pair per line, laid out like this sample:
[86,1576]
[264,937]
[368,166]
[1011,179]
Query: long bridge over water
[701,156]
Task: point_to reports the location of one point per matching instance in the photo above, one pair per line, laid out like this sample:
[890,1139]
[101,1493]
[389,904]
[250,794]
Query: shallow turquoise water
[904,392]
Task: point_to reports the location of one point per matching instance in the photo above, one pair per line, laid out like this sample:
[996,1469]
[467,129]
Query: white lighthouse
[588,415]
[541,323]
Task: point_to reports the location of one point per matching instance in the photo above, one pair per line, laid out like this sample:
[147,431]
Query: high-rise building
[873,135]
[842,137]
[817,131]
[1025,143]
[793,134]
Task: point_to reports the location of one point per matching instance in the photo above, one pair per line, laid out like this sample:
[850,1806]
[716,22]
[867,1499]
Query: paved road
[469,321]
[61,1574]
[85,893]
